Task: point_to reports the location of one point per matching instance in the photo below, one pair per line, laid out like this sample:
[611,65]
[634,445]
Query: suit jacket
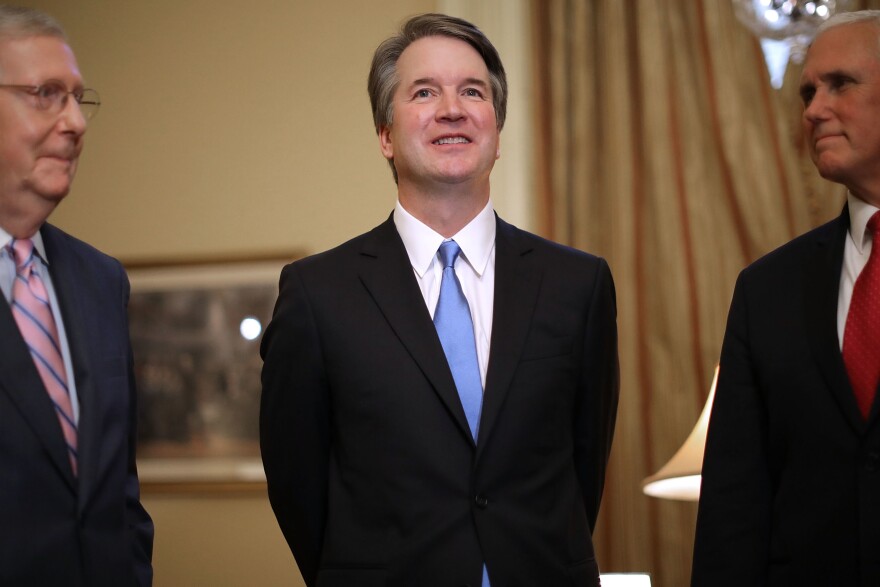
[372,472]
[57,529]
[791,478]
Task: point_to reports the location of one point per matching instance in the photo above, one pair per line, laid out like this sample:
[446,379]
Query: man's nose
[450,107]
[72,119]
[817,109]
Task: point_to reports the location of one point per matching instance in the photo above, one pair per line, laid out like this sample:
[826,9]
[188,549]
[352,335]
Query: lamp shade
[680,477]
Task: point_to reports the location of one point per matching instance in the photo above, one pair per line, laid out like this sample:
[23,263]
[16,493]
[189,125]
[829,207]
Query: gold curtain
[663,148]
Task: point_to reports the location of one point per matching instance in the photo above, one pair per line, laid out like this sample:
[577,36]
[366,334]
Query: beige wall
[244,128]
[218,540]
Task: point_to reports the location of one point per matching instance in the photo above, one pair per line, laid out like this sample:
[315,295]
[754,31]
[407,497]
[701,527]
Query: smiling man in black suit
[439,394]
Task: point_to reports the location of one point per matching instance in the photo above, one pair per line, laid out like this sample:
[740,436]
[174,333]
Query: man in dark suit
[387,462]
[69,502]
[791,477]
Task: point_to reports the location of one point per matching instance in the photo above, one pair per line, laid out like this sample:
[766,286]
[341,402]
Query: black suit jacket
[372,472]
[57,529]
[791,478]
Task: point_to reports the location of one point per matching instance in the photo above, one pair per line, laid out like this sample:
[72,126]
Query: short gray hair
[844,18]
[17,22]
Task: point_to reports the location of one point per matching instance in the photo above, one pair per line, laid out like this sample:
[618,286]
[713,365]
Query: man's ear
[385,142]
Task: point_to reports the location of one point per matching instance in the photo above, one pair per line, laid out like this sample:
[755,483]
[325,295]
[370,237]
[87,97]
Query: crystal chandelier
[785,27]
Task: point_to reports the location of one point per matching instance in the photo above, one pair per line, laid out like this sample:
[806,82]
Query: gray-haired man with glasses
[70,511]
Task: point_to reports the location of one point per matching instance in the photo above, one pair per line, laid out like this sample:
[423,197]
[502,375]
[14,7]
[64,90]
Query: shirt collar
[6,238]
[859,213]
[421,242]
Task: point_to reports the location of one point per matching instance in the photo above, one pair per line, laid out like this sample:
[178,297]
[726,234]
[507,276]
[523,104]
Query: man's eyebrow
[834,73]
[827,76]
[470,81]
[475,81]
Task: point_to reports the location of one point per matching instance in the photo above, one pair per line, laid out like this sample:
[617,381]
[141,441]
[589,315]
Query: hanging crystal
[786,28]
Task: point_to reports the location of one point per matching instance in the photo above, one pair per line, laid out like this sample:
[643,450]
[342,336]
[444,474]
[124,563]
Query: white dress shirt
[856,251]
[475,268]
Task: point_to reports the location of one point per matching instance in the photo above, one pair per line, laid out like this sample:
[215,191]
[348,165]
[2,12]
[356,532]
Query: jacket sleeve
[295,423]
[733,525]
[138,521]
[596,411]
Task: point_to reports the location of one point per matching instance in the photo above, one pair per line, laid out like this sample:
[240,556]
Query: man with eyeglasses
[70,511]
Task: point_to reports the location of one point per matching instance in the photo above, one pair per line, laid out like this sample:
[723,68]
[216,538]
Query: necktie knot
[22,253]
[449,251]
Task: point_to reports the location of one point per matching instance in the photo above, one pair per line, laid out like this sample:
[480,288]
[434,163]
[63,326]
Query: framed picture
[195,332]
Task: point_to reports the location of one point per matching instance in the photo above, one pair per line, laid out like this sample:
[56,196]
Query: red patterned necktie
[861,337]
[33,314]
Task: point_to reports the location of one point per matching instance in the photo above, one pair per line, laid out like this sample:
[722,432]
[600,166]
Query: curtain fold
[663,148]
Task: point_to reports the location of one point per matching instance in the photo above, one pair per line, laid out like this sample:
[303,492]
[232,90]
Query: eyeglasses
[52,97]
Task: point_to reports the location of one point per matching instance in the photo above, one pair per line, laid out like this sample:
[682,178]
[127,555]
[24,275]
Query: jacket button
[482,501]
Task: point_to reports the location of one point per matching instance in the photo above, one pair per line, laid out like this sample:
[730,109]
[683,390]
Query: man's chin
[53,193]
[52,186]
[830,167]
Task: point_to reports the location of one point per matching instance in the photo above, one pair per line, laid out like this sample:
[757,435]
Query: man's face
[444,129]
[840,87]
[38,149]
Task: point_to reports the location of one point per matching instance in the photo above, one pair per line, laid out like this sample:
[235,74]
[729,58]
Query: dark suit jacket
[372,472]
[57,529]
[791,478]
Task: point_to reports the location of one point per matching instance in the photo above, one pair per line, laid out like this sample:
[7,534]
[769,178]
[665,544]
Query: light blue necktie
[452,318]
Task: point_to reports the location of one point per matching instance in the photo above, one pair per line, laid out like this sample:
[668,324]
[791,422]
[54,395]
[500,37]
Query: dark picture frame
[198,376]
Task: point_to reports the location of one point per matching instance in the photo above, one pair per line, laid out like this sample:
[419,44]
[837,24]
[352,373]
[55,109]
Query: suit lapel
[517,281]
[821,287]
[66,279]
[387,274]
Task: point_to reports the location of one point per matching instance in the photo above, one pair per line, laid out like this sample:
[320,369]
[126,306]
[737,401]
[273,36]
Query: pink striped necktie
[33,314]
